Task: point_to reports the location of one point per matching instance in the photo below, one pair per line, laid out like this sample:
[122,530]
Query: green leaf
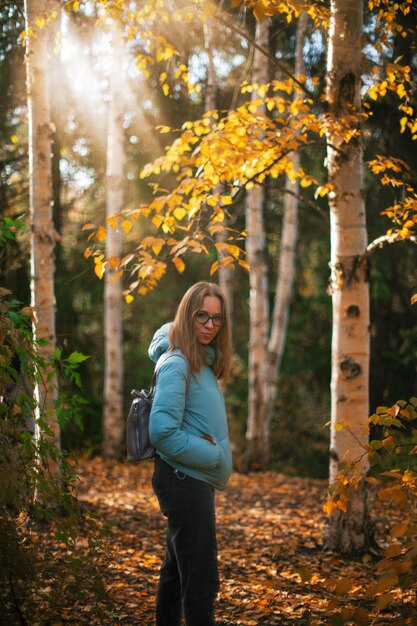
[76,357]
[76,378]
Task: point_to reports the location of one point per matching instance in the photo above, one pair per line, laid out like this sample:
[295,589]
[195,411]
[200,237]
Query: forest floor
[273,568]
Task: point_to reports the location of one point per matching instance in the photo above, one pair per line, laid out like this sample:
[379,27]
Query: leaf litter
[273,568]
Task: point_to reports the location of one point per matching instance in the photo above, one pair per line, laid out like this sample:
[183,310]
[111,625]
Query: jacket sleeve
[167,414]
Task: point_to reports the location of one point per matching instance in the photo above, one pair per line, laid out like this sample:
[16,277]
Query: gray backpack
[139,447]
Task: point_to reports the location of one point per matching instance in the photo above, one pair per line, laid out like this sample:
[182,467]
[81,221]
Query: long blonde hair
[182,334]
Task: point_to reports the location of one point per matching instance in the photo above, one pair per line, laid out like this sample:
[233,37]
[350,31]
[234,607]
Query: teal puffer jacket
[178,421]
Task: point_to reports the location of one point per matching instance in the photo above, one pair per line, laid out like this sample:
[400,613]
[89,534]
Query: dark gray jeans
[189,580]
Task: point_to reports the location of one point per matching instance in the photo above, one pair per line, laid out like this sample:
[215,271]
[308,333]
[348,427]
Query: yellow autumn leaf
[157,247]
[228,261]
[342,503]
[99,266]
[112,221]
[129,298]
[403,123]
[158,203]
[321,191]
[101,233]
[212,200]
[157,220]
[127,226]
[409,477]
[179,213]
[373,92]
[235,251]
[401,91]
[165,90]
[219,216]
[127,259]
[179,264]
[330,506]
[114,262]
[214,267]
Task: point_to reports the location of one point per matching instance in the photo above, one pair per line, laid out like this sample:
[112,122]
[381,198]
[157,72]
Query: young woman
[188,427]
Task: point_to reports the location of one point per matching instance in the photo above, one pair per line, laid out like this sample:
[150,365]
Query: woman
[188,427]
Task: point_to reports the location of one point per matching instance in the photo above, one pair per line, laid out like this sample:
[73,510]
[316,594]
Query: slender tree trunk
[348,532]
[57,97]
[287,259]
[256,453]
[225,272]
[43,235]
[113,439]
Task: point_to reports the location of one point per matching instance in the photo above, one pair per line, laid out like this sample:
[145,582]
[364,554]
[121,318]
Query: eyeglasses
[202,318]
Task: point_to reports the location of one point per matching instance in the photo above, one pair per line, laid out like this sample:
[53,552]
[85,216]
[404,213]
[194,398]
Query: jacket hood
[160,344]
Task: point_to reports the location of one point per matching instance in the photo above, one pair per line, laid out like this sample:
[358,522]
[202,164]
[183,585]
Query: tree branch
[380,242]
[225,21]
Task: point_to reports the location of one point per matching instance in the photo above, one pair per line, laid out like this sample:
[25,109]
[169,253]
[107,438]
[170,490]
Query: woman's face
[208,319]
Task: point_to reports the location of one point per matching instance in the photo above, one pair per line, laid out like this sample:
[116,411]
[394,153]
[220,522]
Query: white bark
[43,235]
[256,454]
[287,259]
[113,427]
[350,294]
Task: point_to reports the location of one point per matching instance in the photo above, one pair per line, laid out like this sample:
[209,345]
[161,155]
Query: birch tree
[43,235]
[286,261]
[348,531]
[258,286]
[113,425]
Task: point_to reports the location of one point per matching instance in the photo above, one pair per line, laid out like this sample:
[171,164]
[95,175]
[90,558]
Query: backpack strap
[187,387]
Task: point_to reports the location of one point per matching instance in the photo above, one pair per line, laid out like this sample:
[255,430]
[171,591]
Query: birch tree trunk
[347,532]
[286,263]
[57,103]
[43,235]
[113,423]
[225,272]
[258,291]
